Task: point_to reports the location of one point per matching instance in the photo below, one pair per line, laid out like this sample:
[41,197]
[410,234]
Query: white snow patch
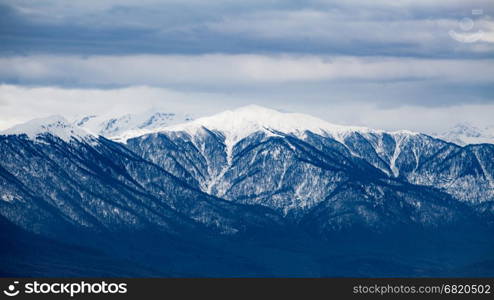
[392,163]
[7,197]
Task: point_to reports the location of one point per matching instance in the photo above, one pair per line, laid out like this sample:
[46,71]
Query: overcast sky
[419,65]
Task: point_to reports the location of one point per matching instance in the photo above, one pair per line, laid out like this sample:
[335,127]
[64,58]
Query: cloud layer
[398,28]
[214,69]
[314,80]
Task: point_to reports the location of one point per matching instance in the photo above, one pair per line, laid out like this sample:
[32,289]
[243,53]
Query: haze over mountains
[466,133]
[252,192]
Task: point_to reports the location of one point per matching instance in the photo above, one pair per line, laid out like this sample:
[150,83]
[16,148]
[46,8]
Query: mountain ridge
[55,125]
[243,121]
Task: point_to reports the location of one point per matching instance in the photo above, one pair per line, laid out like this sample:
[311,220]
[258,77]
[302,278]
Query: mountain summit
[466,133]
[241,122]
[55,125]
[119,126]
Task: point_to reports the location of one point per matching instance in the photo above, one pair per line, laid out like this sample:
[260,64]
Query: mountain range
[248,192]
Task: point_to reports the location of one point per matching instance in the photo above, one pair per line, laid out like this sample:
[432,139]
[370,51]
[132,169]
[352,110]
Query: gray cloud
[384,81]
[395,28]
[214,69]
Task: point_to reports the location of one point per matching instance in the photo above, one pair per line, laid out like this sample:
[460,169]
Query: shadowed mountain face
[252,192]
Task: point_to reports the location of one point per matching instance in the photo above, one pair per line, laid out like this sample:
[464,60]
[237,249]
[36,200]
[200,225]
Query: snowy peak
[241,122]
[252,118]
[466,133]
[54,125]
[114,127]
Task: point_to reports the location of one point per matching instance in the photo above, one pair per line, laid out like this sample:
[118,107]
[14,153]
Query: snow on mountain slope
[113,126]
[465,133]
[244,121]
[236,125]
[186,181]
[54,125]
[230,153]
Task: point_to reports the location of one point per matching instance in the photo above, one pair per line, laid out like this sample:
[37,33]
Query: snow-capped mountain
[118,127]
[97,184]
[244,121]
[217,145]
[240,182]
[465,133]
[55,125]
